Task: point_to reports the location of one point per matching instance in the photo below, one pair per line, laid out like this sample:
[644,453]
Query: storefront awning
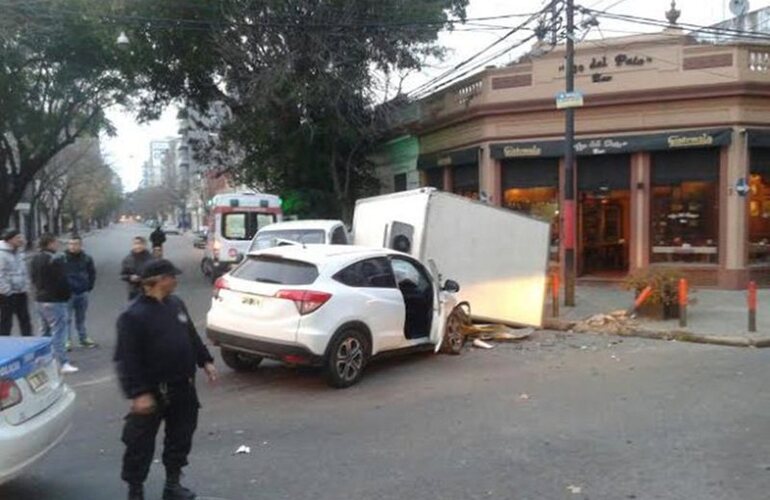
[669,141]
[468,156]
[758,137]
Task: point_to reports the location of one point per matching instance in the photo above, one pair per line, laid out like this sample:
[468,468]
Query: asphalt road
[557,417]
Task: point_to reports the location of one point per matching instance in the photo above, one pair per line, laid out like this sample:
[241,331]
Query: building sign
[683,141]
[522,151]
[566,100]
[610,145]
[456,158]
[597,66]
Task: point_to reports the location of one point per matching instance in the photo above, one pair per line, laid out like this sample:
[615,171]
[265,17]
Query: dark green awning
[669,141]
[469,156]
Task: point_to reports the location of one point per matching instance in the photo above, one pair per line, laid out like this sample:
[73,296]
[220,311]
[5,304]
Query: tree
[59,70]
[301,80]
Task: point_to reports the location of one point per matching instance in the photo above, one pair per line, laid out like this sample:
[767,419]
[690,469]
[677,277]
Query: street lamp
[122,40]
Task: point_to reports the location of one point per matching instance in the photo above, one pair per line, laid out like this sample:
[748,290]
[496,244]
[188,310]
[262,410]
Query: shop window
[759,207]
[465,181]
[531,187]
[434,177]
[685,207]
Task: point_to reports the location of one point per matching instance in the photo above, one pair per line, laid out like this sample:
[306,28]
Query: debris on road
[524,397]
[575,490]
[481,344]
[618,322]
[242,450]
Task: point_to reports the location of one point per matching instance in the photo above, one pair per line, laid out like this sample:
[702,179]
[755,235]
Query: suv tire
[240,361]
[348,354]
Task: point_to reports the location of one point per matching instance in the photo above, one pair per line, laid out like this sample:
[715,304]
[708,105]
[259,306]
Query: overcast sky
[131,147]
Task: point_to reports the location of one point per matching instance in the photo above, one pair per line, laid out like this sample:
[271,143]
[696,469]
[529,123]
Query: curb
[677,335]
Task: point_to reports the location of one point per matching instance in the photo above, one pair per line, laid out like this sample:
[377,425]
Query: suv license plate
[38,380]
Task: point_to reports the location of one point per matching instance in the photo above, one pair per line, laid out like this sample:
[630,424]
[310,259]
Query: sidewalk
[719,313]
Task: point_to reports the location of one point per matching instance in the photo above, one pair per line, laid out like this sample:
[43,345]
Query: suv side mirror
[451,286]
[239,258]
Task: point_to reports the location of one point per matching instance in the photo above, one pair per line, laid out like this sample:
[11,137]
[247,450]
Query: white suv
[329,305]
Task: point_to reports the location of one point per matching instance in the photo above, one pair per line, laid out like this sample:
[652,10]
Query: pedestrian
[52,294]
[158,237]
[157,252]
[156,356]
[14,284]
[81,276]
[132,266]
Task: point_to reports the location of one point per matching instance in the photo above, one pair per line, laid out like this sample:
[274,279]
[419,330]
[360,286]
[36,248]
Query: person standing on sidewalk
[132,265]
[156,356]
[81,276]
[52,294]
[14,284]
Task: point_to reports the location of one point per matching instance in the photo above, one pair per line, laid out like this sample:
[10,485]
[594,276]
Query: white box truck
[499,257]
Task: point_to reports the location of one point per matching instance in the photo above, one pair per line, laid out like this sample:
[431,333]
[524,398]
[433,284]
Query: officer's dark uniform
[157,352]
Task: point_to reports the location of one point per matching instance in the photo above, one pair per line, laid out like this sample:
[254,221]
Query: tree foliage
[303,81]
[59,71]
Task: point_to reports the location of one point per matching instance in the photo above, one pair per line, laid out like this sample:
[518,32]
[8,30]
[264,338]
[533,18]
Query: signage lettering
[678,141]
[514,151]
[601,63]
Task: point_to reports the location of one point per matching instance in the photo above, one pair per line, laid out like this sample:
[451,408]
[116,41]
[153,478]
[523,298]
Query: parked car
[170,228]
[334,306]
[200,238]
[314,231]
[36,407]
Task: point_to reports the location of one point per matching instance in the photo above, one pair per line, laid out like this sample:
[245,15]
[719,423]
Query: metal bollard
[555,295]
[683,300]
[752,306]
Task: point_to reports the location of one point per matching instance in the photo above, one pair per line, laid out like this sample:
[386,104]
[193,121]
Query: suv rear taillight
[10,394]
[220,284]
[306,301]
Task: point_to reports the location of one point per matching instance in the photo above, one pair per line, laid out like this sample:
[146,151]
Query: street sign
[566,100]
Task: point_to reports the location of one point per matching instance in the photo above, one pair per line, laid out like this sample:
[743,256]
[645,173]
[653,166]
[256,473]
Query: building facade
[672,145]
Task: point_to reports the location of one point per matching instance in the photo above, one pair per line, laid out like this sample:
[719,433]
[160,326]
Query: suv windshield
[264,269]
[269,239]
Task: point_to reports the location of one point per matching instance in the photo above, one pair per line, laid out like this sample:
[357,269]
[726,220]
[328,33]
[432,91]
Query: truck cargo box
[499,257]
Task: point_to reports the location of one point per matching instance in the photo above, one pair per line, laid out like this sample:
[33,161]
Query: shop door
[604,196]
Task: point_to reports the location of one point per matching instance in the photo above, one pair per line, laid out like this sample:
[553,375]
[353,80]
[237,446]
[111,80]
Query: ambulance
[233,221]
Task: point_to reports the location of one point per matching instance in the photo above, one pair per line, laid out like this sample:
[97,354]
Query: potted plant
[663,301]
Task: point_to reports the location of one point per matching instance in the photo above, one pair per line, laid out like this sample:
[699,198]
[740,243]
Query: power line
[714,30]
[436,82]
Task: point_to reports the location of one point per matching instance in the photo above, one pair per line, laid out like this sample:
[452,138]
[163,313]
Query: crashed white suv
[328,305]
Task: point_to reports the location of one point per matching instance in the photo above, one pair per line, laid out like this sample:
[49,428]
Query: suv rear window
[265,269]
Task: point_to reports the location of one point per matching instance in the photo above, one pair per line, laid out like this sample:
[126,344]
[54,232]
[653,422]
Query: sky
[131,146]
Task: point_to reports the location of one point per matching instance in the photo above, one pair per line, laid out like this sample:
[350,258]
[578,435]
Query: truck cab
[234,221]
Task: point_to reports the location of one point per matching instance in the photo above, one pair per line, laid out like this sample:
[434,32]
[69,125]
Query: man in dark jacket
[132,266]
[14,283]
[81,276]
[158,238]
[52,294]
[156,356]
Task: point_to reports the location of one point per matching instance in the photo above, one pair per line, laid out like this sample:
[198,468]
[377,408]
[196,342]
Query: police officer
[157,352]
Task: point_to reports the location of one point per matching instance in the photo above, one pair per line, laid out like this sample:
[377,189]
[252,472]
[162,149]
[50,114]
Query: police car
[36,407]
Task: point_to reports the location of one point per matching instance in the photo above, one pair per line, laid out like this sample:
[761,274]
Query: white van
[235,219]
[316,231]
